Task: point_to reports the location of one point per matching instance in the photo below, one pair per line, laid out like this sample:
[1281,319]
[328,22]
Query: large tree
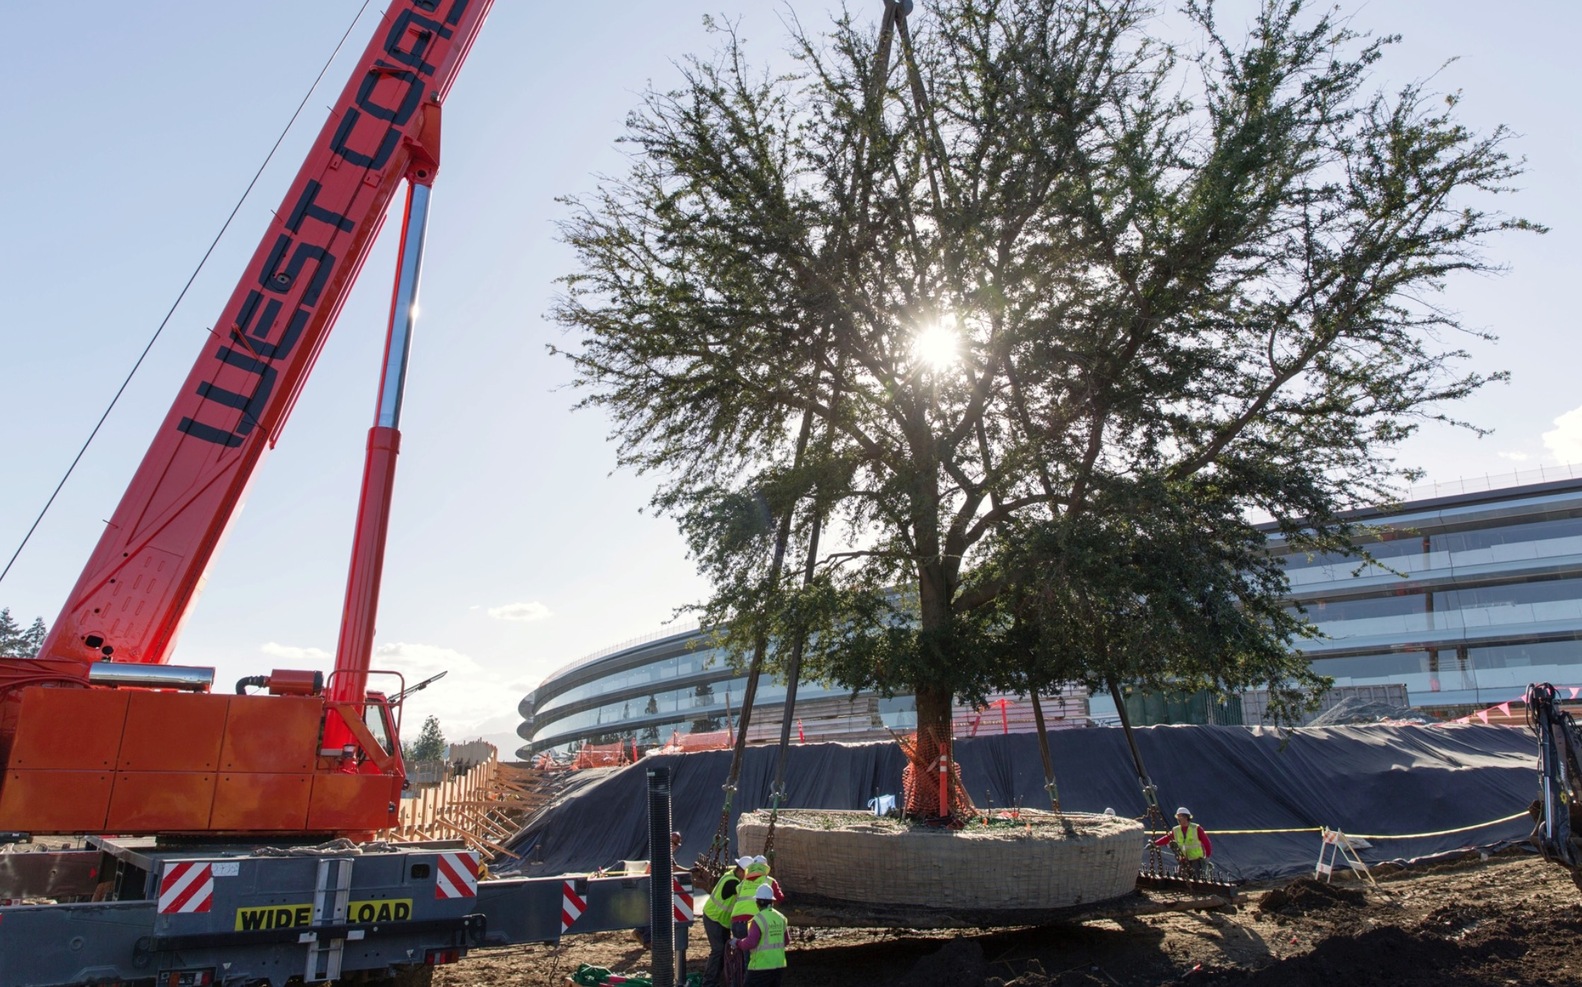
[1182,283]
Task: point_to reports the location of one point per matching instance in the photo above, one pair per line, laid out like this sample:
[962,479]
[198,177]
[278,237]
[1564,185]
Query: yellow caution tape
[1260,832]
[1443,832]
[1368,836]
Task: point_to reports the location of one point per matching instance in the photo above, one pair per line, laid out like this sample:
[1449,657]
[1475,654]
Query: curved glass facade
[678,684]
[1469,598]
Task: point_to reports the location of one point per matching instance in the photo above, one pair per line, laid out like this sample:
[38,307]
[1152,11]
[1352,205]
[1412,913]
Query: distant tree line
[16,642]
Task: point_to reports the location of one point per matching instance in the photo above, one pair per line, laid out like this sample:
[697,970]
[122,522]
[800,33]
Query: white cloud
[1565,442]
[520,611]
[419,661]
[291,652]
[472,700]
[1515,457]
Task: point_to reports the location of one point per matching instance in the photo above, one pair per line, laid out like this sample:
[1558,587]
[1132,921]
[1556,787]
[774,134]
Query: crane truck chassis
[220,915]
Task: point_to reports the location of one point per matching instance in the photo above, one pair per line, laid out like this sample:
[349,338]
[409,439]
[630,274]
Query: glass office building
[673,684]
[1470,598]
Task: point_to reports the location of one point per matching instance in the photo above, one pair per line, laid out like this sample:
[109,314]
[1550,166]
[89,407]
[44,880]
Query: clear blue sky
[514,547]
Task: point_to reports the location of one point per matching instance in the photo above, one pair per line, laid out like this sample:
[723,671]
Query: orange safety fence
[709,740]
[602,756]
[932,777]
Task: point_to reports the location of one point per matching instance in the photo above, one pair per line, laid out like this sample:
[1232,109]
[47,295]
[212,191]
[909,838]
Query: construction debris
[484,806]
[1352,710]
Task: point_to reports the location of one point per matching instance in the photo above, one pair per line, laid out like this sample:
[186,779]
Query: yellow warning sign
[273,917]
[293,916]
[382,910]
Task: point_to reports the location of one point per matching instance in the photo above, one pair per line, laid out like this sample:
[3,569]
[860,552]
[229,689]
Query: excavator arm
[1557,812]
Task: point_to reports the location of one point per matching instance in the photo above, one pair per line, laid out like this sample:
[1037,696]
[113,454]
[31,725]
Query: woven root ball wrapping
[1031,863]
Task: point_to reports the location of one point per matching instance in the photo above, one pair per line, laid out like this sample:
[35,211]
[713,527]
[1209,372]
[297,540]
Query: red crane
[98,734]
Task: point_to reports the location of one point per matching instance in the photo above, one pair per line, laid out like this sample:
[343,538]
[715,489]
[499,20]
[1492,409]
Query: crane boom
[150,750]
[98,734]
[139,584]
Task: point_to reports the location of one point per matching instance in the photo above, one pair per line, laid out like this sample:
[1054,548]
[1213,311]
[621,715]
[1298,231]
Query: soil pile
[1307,895]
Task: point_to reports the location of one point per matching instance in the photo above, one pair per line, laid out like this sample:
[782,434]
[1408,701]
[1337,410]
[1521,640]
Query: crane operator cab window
[376,716]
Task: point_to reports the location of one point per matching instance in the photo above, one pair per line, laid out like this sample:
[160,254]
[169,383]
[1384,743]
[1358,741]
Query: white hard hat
[744,862]
[1183,811]
[764,893]
[760,859]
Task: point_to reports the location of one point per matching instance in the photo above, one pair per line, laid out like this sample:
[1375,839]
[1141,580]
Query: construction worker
[1190,843]
[765,942]
[675,848]
[757,875]
[717,919]
[763,861]
[643,933]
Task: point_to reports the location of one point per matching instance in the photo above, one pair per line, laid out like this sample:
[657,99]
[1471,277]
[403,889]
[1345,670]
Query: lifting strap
[1049,765]
[798,642]
[933,147]
[712,863]
[1156,819]
[777,793]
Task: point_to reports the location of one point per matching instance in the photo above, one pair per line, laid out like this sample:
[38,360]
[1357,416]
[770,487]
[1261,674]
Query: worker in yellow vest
[717,919]
[768,879]
[765,942]
[1190,842]
[642,932]
[756,876]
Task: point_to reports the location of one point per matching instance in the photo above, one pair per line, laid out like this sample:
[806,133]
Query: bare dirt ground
[1511,919]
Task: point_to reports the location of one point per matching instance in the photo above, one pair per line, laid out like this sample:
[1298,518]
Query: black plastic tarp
[1406,783]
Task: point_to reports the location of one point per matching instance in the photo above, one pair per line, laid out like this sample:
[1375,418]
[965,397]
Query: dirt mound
[960,961]
[1538,954]
[1511,919]
[1307,895]
[1455,919]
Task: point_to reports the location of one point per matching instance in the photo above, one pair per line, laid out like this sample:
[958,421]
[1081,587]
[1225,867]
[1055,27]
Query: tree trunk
[931,781]
[933,711]
[934,619]
[926,794]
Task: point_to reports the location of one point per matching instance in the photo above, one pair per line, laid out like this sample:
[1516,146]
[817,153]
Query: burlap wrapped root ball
[1031,863]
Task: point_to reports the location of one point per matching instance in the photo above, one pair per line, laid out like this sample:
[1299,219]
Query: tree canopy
[1033,326]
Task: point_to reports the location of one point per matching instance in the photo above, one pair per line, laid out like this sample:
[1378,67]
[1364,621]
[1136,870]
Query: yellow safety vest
[770,953]
[718,907]
[1187,837]
[746,904]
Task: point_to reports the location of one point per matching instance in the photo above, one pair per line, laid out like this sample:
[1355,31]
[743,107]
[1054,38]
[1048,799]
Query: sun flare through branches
[937,346]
